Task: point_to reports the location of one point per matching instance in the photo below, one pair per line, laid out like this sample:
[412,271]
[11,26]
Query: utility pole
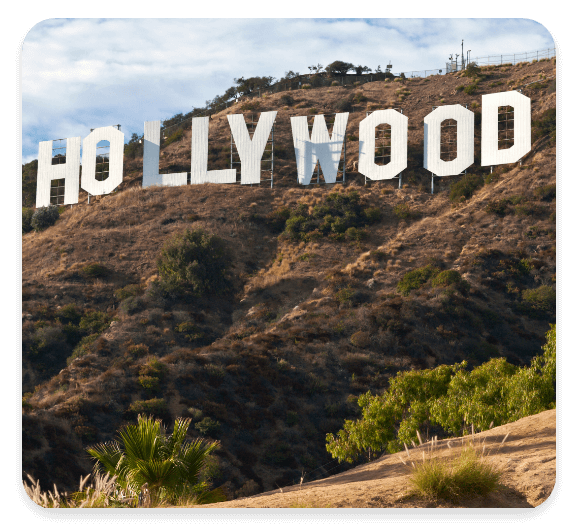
[462,54]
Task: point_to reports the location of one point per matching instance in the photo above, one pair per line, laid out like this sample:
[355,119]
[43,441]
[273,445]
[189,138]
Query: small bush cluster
[545,125]
[471,88]
[339,217]
[189,330]
[465,188]
[286,100]
[151,374]
[44,217]
[403,211]
[416,278]
[128,291]
[27,214]
[451,278]
[176,136]
[194,262]
[545,193]
[345,105]
[208,427]
[95,270]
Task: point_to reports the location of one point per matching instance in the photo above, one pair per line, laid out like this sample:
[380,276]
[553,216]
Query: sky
[85,73]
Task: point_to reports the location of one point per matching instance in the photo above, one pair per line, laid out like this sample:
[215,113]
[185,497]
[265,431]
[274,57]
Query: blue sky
[79,74]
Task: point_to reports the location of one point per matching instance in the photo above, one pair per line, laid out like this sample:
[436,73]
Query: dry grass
[466,474]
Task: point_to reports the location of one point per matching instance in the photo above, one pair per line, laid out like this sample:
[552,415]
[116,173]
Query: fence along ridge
[498,60]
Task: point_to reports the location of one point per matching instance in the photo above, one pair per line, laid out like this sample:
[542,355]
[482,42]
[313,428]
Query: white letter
[69,171]
[116,139]
[464,140]
[491,155]
[251,150]
[398,145]
[150,175]
[320,148]
[199,164]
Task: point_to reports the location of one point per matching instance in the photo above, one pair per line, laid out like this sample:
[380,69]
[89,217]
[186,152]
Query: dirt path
[528,457]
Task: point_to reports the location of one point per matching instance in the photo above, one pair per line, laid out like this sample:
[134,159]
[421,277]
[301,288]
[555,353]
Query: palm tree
[169,466]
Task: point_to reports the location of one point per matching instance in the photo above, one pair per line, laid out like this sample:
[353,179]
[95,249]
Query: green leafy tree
[494,393]
[171,466]
[340,68]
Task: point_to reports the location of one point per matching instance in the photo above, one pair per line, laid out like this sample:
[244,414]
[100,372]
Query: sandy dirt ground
[528,457]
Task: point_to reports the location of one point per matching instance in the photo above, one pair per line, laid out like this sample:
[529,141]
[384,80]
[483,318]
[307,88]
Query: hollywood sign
[319,146]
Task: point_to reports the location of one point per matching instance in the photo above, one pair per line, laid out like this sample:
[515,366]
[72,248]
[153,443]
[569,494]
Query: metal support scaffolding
[268,150]
[505,127]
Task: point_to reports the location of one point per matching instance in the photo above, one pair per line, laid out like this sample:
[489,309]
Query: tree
[247,86]
[170,466]
[339,68]
[452,397]
[361,69]
[316,69]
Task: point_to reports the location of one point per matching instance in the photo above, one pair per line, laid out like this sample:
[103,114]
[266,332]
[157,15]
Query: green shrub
[189,330]
[176,136]
[138,350]
[68,314]
[471,88]
[95,270]
[343,106]
[414,279]
[499,207]
[27,214]
[355,234]
[472,70]
[286,100]
[546,193]
[446,277]
[95,322]
[150,383]
[403,211]
[208,427]
[44,217]
[128,291]
[372,214]
[195,262]
[539,300]
[463,189]
[131,305]
[154,368]
[82,348]
[276,220]
[296,226]
[344,295]
[545,126]
[154,406]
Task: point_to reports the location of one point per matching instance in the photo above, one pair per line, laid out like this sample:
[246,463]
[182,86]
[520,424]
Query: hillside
[528,457]
[276,362]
